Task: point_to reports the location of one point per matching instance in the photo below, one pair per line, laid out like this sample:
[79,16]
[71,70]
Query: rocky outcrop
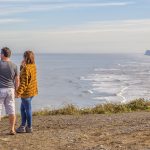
[147,52]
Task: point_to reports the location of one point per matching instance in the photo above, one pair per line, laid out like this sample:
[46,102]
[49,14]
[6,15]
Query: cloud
[30,1]
[77,5]
[36,6]
[134,25]
[6,21]
[93,37]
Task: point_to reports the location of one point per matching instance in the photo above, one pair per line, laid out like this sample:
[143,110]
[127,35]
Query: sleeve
[23,81]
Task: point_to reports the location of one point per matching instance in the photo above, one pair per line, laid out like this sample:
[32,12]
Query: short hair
[6,52]
[29,57]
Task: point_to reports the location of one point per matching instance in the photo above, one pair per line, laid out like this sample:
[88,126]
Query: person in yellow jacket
[27,90]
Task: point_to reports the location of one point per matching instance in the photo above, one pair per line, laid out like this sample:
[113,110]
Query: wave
[88,92]
[119,83]
[103,69]
[120,94]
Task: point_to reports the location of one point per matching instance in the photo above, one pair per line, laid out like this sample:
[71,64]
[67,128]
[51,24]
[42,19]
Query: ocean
[86,80]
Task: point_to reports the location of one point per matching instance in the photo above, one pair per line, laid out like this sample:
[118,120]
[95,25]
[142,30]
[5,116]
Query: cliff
[147,52]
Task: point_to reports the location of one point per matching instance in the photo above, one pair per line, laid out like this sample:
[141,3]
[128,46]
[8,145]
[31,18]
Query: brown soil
[128,131]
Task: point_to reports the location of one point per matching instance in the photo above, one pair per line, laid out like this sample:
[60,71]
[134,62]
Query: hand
[16,95]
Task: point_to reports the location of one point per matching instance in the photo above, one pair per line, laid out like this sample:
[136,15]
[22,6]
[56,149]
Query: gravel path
[128,131]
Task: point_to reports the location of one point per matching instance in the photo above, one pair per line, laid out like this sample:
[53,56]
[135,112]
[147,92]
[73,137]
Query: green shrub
[138,104]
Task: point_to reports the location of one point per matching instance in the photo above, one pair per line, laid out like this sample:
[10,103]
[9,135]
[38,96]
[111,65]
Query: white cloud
[76,5]
[42,6]
[11,0]
[10,20]
[31,0]
[96,37]
[105,26]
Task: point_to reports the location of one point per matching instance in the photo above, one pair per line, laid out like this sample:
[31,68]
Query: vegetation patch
[136,105]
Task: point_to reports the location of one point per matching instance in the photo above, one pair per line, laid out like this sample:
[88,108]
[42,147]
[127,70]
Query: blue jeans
[26,111]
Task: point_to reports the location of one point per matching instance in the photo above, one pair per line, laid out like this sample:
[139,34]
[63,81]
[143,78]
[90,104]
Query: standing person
[27,90]
[9,81]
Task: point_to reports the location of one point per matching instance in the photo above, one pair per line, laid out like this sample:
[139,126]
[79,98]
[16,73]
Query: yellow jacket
[28,81]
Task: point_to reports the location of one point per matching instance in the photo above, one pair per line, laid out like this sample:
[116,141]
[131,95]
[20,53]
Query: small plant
[136,105]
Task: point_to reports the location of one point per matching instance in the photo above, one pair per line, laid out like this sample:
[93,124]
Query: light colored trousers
[7,98]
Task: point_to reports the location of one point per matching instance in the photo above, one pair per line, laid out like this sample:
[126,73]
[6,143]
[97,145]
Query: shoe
[21,129]
[29,130]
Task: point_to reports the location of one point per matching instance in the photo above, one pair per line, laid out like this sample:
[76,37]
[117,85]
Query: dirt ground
[128,131]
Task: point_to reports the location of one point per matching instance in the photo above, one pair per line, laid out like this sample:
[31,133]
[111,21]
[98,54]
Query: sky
[75,26]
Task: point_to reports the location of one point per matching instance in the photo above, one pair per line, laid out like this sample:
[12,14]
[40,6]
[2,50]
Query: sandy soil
[128,131]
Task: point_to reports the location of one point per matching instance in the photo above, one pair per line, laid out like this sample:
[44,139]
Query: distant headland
[147,52]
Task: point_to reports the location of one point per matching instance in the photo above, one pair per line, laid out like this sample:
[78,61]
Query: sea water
[89,79]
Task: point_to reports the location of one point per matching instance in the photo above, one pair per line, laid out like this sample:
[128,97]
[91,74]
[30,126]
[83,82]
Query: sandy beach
[126,131]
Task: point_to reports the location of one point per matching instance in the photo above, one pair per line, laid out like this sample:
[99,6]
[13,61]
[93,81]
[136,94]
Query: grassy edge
[108,108]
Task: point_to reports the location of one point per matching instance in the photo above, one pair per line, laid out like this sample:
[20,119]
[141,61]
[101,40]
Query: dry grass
[136,105]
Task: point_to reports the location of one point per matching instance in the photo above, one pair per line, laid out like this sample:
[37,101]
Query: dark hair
[29,57]
[6,52]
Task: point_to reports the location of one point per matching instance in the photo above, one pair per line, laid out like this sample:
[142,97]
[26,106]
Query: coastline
[90,79]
